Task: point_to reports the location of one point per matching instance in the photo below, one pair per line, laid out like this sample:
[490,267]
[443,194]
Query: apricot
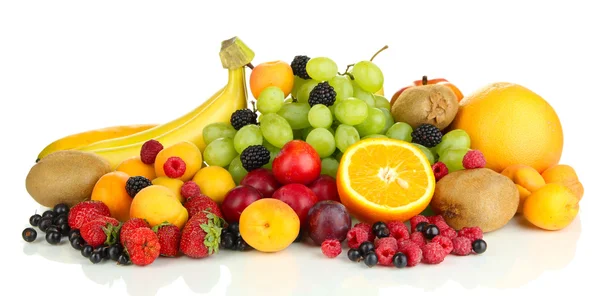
[565,175]
[269,225]
[135,167]
[110,189]
[214,182]
[173,184]
[275,73]
[552,207]
[188,152]
[527,180]
[157,204]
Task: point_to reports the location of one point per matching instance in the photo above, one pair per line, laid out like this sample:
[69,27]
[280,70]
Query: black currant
[73,233]
[479,246]
[366,247]
[123,259]
[96,257]
[377,226]
[61,208]
[103,250]
[354,255]
[53,237]
[77,243]
[421,226]
[86,251]
[114,252]
[400,260]
[240,245]
[64,229]
[48,213]
[45,223]
[382,232]
[52,228]
[371,259]
[29,234]
[35,220]
[431,231]
[227,241]
[60,219]
[234,228]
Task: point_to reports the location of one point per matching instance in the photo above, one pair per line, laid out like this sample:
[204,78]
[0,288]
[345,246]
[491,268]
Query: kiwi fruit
[66,176]
[434,104]
[476,197]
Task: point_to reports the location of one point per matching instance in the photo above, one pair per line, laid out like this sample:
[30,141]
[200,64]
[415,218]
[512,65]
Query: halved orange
[382,179]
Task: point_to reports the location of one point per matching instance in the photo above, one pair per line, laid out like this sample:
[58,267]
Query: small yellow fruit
[214,182]
[173,184]
[527,180]
[135,167]
[157,204]
[552,207]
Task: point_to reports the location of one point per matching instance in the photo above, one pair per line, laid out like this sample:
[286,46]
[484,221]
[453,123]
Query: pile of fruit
[425,174]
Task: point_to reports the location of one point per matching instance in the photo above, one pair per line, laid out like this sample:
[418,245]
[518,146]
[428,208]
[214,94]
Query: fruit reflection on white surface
[516,255]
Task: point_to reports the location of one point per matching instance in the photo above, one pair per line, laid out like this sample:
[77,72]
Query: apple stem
[424,80]
[249,65]
[379,51]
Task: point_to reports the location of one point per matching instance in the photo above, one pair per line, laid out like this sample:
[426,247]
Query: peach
[157,204]
[269,225]
[214,182]
[552,207]
[527,180]
[135,167]
[275,73]
[188,152]
[110,189]
[565,175]
[173,184]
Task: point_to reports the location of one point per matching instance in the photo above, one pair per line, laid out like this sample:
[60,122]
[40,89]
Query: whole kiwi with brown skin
[434,104]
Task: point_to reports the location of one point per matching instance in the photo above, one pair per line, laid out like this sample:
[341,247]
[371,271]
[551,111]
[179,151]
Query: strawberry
[86,211]
[142,246]
[169,236]
[100,231]
[201,235]
[200,203]
[131,224]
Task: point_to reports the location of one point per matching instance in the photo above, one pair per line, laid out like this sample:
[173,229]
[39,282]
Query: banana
[92,136]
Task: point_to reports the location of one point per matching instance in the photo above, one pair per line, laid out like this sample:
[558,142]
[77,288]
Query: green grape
[427,153]
[329,166]
[220,152]
[322,140]
[454,139]
[362,95]
[247,136]
[374,124]
[304,90]
[453,158]
[320,116]
[273,151]
[342,86]
[389,119]
[237,171]
[382,102]
[296,114]
[298,82]
[270,100]
[321,68]
[368,76]
[345,136]
[276,130]
[374,136]
[400,131]
[351,111]
[217,130]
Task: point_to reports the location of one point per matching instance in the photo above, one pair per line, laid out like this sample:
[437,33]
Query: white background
[70,66]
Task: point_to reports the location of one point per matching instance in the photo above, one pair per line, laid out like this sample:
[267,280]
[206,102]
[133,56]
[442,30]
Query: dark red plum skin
[325,188]
[236,200]
[299,197]
[328,220]
[262,180]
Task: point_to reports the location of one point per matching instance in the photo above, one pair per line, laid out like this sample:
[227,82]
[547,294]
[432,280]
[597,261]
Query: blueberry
[431,231]
[60,219]
[421,226]
[382,232]
[96,257]
[45,223]
[77,243]
[366,247]
[400,260]
[73,233]
[53,237]
[123,259]
[114,252]
[61,208]
[377,226]
[479,246]
[371,259]
[35,220]
[29,234]
[354,255]
[64,229]
[52,228]
[48,213]
[86,251]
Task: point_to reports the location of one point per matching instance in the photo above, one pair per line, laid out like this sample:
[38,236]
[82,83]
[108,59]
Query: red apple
[325,188]
[297,162]
[299,198]
[236,200]
[262,180]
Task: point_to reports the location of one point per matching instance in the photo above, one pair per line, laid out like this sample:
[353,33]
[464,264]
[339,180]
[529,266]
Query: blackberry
[299,66]
[243,117]
[136,184]
[254,157]
[323,93]
[427,135]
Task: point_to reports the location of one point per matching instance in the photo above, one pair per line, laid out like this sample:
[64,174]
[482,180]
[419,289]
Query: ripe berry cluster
[231,239]
[53,222]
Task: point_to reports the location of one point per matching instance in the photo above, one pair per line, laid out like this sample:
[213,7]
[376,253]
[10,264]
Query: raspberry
[418,238]
[323,93]
[299,66]
[440,170]
[427,135]
[385,253]
[412,252]
[242,117]
[254,157]
[366,227]
[149,151]
[462,246]
[190,189]
[445,242]
[331,248]
[136,184]
[356,236]
[398,230]
[174,167]
[472,233]
[473,159]
[433,253]
[416,220]
[449,233]
[387,241]
[439,222]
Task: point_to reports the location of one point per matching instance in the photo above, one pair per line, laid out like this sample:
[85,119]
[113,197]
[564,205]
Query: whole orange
[275,73]
[510,125]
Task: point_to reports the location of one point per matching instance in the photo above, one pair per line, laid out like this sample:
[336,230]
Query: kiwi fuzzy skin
[434,104]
